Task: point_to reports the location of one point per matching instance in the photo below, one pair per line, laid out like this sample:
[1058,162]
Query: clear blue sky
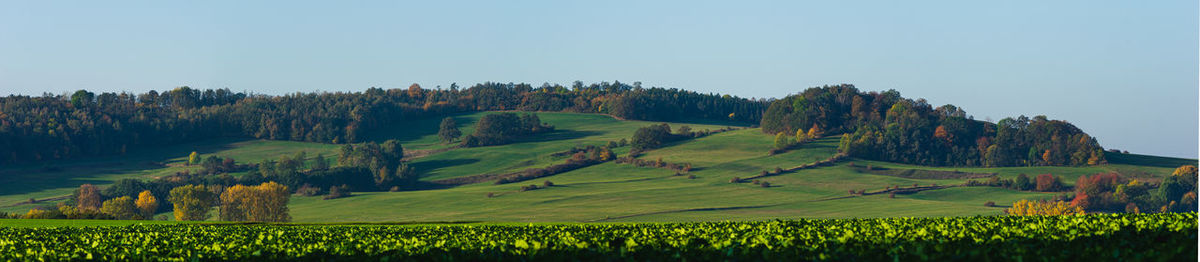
[1125,71]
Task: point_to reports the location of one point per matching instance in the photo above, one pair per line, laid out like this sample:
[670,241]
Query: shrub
[1048,183]
[892,194]
[755,182]
[1032,208]
[548,183]
[691,176]
[338,192]
[491,195]
[308,190]
[735,180]
[764,173]
[765,184]
[990,204]
[778,170]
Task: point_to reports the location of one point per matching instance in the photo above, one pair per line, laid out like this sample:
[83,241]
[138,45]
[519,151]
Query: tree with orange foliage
[147,204]
[1048,183]
[266,202]
[941,133]
[815,132]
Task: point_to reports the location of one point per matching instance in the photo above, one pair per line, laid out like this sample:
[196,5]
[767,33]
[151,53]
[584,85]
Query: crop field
[1116,237]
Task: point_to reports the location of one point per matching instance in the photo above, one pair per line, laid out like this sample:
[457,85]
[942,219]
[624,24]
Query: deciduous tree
[147,204]
[191,202]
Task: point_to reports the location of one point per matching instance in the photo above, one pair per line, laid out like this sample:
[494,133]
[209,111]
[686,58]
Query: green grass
[606,192]
[571,130]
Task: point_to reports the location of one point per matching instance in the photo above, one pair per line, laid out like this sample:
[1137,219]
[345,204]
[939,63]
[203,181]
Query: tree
[1048,183]
[121,208]
[320,163]
[781,141]
[147,204]
[1185,170]
[212,164]
[1034,208]
[88,197]
[1023,183]
[448,130]
[651,137]
[801,136]
[266,202]
[815,132]
[191,202]
[193,158]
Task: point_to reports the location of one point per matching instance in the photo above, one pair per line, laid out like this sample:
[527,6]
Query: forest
[35,128]
[885,126]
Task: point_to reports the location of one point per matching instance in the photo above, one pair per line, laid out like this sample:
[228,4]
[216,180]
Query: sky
[1125,72]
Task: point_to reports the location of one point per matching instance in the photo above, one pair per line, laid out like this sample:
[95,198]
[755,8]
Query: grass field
[607,192]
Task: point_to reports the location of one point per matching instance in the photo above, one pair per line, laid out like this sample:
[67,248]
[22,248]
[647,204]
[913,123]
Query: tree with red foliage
[1048,183]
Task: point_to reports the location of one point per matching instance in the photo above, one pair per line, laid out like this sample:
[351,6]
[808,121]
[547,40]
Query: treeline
[360,167]
[885,126]
[34,128]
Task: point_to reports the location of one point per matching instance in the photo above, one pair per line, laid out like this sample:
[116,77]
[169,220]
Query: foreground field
[1153,237]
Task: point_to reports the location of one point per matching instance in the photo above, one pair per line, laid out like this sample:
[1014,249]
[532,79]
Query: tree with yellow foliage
[147,204]
[121,208]
[191,202]
[263,203]
[815,132]
[193,158]
[801,136]
[1185,170]
[1042,208]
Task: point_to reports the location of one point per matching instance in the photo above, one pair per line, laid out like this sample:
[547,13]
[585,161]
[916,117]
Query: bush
[548,183]
[528,188]
[491,195]
[765,184]
[892,194]
[308,190]
[735,180]
[691,176]
[338,192]
[1041,208]
[778,170]
[756,182]
[990,204]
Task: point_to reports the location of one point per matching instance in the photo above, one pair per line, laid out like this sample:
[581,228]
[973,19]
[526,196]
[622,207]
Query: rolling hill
[608,192]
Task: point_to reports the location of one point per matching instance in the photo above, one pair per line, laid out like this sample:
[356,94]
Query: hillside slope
[603,192]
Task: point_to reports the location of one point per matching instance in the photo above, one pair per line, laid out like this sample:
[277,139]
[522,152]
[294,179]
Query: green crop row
[1107,237]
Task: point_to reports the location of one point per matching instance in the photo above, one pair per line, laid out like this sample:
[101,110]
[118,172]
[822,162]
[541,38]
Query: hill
[605,192]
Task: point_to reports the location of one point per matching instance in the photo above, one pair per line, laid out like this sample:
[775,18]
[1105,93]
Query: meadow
[607,192]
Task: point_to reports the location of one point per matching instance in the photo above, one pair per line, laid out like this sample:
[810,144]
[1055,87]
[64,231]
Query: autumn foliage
[262,203]
[1033,208]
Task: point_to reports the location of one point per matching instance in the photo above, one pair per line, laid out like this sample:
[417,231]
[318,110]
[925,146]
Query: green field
[1120,237]
[607,192]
